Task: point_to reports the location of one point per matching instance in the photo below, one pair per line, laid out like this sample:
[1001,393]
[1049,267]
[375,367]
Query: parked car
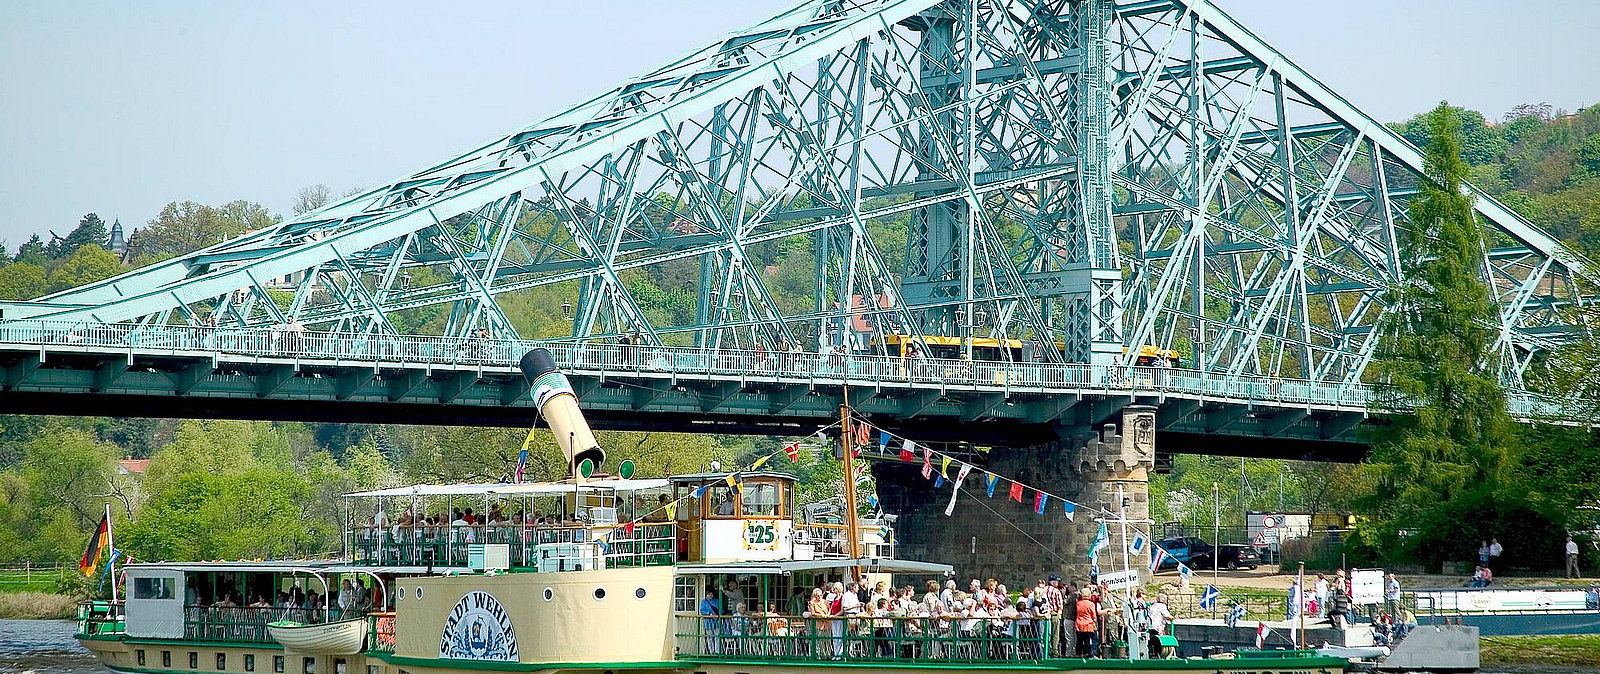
[1187,549]
[1231,556]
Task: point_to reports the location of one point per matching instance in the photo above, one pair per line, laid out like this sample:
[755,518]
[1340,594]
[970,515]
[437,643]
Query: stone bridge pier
[1000,538]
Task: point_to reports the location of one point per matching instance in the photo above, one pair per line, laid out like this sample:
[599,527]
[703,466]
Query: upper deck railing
[589,356]
[647,544]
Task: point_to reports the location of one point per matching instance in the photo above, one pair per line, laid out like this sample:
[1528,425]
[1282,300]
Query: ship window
[308,665]
[599,593]
[549,594]
[372,669]
[720,502]
[194,660]
[683,595]
[639,592]
[222,661]
[761,499]
[152,588]
[402,592]
[277,664]
[249,662]
[166,659]
[338,666]
[140,655]
[419,592]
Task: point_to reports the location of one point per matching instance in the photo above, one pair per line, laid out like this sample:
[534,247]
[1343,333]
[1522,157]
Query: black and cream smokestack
[553,395]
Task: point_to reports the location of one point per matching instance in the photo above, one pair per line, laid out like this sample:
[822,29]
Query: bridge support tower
[999,538]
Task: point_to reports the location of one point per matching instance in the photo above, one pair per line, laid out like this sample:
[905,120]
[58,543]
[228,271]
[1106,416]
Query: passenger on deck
[1159,617]
[1086,623]
[660,513]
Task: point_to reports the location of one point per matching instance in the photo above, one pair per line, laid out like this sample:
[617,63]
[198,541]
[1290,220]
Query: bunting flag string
[990,480]
[938,481]
[1016,491]
[1039,500]
[944,465]
[759,462]
[793,451]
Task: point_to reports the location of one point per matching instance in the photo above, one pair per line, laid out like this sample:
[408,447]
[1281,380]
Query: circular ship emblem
[478,628]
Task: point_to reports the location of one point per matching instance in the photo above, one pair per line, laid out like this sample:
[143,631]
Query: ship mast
[852,533]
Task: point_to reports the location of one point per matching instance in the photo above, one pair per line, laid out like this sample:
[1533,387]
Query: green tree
[184,227]
[201,515]
[22,281]
[32,252]
[91,231]
[1441,462]
[87,264]
[1476,141]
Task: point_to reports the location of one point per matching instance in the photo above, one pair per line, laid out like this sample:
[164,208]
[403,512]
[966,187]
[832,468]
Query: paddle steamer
[694,574]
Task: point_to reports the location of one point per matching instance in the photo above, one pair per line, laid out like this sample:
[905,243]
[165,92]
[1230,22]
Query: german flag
[99,544]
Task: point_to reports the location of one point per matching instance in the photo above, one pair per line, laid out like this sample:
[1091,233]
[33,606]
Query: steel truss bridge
[1091,174]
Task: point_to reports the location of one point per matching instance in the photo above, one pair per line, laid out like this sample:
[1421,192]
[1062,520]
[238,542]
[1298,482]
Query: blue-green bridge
[1097,175]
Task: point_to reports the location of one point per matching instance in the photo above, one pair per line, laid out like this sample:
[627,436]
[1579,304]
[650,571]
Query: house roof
[134,466]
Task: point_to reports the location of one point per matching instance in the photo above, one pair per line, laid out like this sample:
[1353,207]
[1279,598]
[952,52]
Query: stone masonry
[999,538]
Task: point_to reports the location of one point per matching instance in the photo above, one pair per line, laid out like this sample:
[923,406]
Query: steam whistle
[553,395]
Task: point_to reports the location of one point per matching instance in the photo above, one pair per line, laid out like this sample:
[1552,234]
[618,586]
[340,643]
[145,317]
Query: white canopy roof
[510,488]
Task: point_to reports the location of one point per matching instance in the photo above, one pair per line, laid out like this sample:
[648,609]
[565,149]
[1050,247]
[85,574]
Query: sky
[121,107]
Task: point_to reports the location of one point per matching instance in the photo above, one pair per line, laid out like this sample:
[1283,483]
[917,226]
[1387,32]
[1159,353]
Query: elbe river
[47,647]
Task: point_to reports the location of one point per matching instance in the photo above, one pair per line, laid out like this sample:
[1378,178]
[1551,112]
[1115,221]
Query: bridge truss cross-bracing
[1091,174]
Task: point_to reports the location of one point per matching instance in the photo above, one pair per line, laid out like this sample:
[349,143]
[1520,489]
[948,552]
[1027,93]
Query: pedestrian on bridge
[1572,558]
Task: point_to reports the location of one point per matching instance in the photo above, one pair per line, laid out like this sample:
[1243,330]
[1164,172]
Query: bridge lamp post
[566,310]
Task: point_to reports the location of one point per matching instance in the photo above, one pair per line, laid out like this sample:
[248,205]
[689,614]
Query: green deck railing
[649,544]
[98,619]
[879,639]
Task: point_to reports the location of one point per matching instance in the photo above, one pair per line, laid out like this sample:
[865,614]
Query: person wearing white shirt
[1321,589]
[1159,616]
[1572,558]
[1494,554]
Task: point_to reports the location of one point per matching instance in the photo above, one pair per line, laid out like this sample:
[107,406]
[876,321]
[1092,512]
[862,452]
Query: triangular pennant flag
[989,482]
[701,490]
[883,442]
[944,465]
[628,528]
[1016,491]
[938,481]
[793,450]
[1070,509]
[1100,539]
[760,461]
[961,476]
[672,511]
[1039,501]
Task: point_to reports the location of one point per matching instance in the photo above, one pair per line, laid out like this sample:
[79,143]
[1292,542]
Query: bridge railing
[293,341]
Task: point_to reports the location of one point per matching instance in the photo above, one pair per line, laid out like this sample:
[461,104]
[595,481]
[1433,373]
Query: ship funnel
[553,395]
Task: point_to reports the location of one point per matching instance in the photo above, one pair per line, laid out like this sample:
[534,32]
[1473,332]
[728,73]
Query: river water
[47,647]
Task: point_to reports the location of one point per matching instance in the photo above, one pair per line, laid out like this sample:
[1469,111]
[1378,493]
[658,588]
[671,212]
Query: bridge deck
[274,374]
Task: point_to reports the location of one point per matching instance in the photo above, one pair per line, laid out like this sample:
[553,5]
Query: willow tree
[1446,438]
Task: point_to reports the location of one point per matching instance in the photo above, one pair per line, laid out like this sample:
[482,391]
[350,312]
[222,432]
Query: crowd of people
[847,619]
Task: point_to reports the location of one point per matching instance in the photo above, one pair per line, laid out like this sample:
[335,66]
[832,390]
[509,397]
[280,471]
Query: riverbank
[37,606]
[1576,650]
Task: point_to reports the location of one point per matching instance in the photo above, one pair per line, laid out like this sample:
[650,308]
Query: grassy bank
[37,605]
[1541,650]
